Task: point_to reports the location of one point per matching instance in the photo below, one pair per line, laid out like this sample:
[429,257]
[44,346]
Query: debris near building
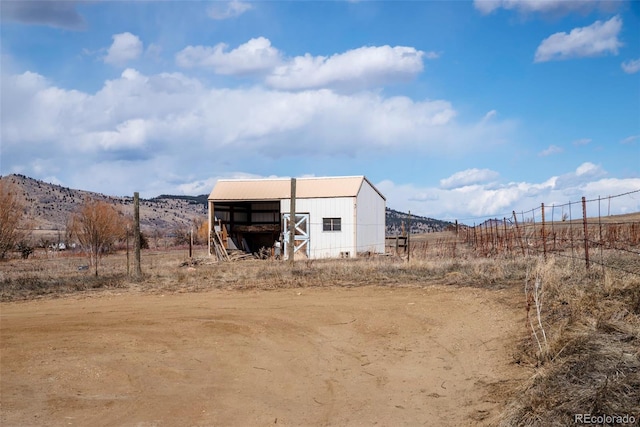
[335,217]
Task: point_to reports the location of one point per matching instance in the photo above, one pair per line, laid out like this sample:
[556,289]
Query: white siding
[328,244]
[370,219]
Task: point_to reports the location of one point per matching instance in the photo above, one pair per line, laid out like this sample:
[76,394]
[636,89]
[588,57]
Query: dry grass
[591,319]
[592,362]
[171,271]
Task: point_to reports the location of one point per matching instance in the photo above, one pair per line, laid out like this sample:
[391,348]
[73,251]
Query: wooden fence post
[136,236]
[292,224]
[409,237]
[127,249]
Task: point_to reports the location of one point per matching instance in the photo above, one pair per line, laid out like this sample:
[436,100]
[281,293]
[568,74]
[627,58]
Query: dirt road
[305,357]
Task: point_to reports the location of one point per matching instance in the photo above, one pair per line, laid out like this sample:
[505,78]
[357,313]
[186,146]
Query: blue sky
[455,110]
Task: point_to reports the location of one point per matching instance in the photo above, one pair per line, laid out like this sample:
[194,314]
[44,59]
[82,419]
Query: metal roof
[280,188]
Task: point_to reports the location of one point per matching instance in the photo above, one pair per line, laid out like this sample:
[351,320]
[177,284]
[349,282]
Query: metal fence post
[586,237]
[544,234]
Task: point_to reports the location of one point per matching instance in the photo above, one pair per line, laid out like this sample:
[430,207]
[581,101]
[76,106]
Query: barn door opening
[301,238]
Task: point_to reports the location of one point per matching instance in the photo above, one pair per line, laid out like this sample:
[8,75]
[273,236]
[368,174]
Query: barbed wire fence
[575,230]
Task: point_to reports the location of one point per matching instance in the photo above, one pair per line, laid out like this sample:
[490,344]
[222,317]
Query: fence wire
[582,233]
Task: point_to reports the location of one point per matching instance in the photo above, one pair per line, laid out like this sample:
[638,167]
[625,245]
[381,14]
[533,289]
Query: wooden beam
[257,228]
[292,223]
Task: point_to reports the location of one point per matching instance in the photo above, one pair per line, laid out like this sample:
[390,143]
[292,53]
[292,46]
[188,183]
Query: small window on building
[331,224]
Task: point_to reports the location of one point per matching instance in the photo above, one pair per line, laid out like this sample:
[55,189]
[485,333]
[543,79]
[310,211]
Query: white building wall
[370,220]
[328,244]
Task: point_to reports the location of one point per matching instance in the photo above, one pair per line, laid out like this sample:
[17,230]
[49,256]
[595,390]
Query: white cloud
[176,134]
[588,169]
[226,10]
[128,134]
[582,141]
[354,69]
[552,149]
[125,47]
[630,139]
[256,55]
[468,177]
[364,66]
[490,115]
[168,120]
[583,174]
[477,202]
[204,186]
[597,39]
[542,6]
[632,66]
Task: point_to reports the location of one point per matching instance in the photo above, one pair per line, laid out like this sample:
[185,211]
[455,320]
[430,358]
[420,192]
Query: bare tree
[12,222]
[201,230]
[97,226]
[157,235]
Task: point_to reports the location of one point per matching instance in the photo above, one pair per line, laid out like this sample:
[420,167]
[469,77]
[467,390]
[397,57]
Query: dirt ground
[296,357]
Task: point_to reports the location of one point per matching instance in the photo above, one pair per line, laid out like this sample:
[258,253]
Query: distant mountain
[194,200]
[494,222]
[49,206]
[419,224]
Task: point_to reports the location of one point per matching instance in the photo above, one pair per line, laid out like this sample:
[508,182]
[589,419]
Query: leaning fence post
[518,236]
[586,237]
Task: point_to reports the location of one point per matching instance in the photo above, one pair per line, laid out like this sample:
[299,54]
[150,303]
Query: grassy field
[580,340]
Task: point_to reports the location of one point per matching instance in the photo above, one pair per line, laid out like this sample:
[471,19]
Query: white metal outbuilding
[335,216]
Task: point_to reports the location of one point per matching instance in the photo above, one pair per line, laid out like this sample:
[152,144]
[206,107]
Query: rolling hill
[48,206]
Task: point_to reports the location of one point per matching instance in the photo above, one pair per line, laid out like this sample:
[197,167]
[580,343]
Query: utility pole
[136,235]
[292,223]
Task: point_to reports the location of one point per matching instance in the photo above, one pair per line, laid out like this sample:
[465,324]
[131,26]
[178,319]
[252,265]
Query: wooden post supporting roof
[292,223]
